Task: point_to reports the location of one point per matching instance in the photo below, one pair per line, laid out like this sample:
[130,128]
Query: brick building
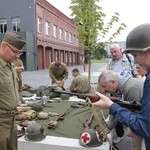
[50,34]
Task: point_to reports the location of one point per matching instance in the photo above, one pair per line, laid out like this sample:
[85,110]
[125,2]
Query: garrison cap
[14,39]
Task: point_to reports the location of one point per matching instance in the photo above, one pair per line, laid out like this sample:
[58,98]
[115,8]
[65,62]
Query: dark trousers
[119,129]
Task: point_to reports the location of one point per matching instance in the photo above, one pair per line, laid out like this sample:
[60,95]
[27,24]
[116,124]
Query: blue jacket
[139,122]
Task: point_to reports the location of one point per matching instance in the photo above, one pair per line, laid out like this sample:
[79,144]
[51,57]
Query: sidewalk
[41,77]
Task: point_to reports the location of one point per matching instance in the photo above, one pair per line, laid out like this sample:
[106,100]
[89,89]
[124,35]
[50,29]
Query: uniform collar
[4,63]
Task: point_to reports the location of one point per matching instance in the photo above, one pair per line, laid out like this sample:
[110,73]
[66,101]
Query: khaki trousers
[8,132]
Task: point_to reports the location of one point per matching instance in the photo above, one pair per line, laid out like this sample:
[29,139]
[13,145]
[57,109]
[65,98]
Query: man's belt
[13,111]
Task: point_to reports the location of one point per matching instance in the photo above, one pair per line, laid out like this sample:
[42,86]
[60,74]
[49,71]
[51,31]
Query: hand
[63,81]
[19,69]
[130,133]
[58,82]
[104,101]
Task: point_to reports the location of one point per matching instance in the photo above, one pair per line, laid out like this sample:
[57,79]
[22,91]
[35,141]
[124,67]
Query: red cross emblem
[85,138]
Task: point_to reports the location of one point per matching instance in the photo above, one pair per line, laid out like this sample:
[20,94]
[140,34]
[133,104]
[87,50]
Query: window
[3,25]
[74,39]
[16,24]
[61,33]
[39,25]
[70,36]
[54,31]
[66,35]
[47,28]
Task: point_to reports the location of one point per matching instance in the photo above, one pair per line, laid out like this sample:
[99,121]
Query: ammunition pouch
[27,115]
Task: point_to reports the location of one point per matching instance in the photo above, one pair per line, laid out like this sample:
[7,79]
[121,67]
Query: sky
[132,12]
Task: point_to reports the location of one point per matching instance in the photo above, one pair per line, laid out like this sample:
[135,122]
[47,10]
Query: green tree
[100,51]
[89,18]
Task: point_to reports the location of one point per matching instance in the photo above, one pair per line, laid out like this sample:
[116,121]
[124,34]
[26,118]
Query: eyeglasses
[14,51]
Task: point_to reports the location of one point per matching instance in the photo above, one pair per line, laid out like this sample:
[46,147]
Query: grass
[100,61]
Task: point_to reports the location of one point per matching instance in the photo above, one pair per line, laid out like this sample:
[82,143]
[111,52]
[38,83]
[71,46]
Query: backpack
[130,63]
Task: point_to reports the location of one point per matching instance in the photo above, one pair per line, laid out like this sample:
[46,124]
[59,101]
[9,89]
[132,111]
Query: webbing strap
[98,120]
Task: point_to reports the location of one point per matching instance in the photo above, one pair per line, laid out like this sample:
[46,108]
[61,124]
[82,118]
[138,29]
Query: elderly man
[131,89]
[121,62]
[10,48]
[138,43]
[58,73]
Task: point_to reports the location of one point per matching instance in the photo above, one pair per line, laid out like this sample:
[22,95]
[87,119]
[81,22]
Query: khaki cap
[14,39]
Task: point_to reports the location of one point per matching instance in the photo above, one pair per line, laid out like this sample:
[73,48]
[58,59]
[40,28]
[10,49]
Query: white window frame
[66,35]
[16,24]
[54,31]
[3,25]
[70,37]
[73,39]
[61,34]
[39,25]
[47,28]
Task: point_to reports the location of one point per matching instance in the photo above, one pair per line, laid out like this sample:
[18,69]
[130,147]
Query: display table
[55,143]
[66,135]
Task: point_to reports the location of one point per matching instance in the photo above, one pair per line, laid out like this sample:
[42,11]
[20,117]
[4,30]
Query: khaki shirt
[9,96]
[58,74]
[80,84]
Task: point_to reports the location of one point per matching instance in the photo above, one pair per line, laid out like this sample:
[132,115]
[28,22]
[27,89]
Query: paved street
[41,77]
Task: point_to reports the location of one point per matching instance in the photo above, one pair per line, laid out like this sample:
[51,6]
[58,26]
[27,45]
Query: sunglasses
[14,51]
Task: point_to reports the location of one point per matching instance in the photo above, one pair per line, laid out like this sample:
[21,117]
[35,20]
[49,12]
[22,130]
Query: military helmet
[37,106]
[90,138]
[34,132]
[139,38]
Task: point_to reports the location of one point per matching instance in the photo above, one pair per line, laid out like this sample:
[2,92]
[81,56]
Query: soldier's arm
[65,72]
[73,85]
[19,66]
[51,73]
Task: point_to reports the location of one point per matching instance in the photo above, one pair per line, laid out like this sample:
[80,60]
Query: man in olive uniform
[10,49]
[18,64]
[80,83]
[58,73]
